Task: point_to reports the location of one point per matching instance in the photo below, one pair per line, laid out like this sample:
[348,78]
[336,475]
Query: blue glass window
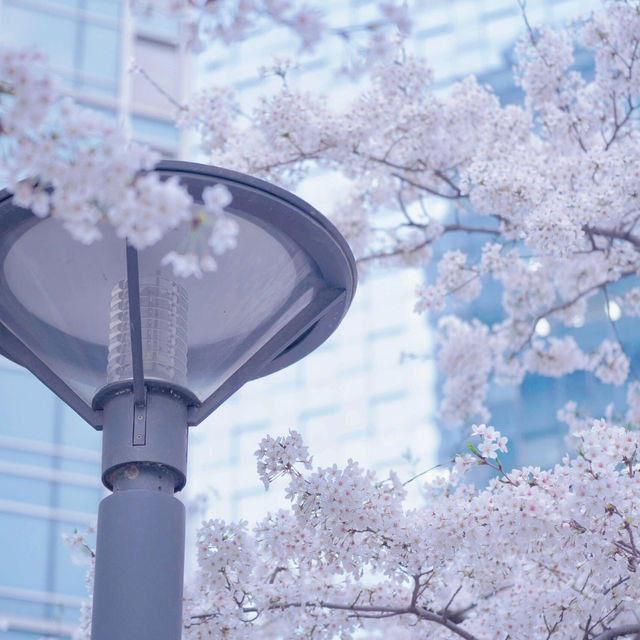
[104,7]
[86,467]
[21,635]
[109,8]
[22,419]
[77,498]
[157,24]
[100,51]
[77,433]
[85,54]
[151,130]
[23,551]
[52,34]
[26,608]
[18,456]
[22,489]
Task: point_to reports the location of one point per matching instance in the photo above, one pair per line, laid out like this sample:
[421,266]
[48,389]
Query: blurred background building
[354,397]
[49,458]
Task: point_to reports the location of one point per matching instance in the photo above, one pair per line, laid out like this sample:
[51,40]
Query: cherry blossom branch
[433,192]
[449,228]
[525,18]
[485,461]
[421,170]
[610,615]
[565,305]
[454,187]
[467,229]
[613,234]
[365,610]
[416,590]
[402,251]
[422,473]
[445,611]
[617,125]
[136,68]
[301,157]
[623,630]
[551,629]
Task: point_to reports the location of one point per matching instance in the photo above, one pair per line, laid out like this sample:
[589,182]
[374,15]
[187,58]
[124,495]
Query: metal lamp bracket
[139,435]
[139,438]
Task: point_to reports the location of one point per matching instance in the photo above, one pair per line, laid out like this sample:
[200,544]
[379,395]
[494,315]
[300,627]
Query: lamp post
[143,355]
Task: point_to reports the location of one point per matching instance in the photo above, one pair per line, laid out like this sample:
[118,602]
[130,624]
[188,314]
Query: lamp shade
[64,306]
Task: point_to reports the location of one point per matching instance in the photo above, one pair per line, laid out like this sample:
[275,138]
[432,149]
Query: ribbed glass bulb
[163,315]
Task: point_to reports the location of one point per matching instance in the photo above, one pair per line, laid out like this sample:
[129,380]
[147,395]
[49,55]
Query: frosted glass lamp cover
[64,307]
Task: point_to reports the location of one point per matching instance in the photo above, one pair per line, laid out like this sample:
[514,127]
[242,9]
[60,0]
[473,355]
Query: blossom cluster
[81,545]
[278,456]
[534,550]
[79,167]
[209,20]
[492,440]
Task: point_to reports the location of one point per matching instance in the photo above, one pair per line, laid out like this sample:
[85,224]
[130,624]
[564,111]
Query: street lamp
[142,355]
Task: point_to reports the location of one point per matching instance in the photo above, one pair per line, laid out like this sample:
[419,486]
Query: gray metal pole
[140,547]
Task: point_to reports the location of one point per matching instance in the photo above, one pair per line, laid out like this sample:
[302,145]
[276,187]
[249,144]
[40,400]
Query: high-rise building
[366,393]
[91,44]
[458,38]
[49,485]
[49,458]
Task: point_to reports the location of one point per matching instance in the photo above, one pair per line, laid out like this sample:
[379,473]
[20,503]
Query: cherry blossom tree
[549,188]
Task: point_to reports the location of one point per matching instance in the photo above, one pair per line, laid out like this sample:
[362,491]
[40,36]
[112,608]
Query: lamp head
[67,311]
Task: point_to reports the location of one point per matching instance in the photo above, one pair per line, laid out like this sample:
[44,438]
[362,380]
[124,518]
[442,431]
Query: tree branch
[366,610]
[406,250]
[614,234]
[624,630]
[433,192]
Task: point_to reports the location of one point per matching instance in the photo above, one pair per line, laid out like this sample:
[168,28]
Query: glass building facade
[49,457]
[90,45]
[49,485]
